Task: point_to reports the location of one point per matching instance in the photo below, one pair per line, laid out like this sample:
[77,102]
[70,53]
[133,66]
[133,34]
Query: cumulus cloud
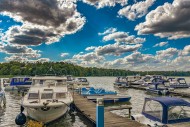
[90,48]
[123,37]
[21,58]
[64,54]
[108,31]
[19,50]
[185,51]
[43,21]
[170,21]
[136,10]
[89,57]
[103,3]
[166,54]
[116,49]
[16,58]
[161,44]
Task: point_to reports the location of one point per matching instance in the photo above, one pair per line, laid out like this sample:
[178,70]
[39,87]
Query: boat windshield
[182,81]
[60,95]
[178,112]
[153,109]
[33,96]
[47,96]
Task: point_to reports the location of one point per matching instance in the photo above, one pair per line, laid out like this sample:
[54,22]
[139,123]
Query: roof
[180,78]
[170,101]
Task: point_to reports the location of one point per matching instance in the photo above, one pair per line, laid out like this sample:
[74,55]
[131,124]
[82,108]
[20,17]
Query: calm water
[8,113]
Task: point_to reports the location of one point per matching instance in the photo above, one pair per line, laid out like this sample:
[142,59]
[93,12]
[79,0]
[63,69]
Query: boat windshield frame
[177,120]
[151,116]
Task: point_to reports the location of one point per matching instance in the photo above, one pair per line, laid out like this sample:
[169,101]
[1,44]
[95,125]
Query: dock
[88,109]
[174,93]
[110,98]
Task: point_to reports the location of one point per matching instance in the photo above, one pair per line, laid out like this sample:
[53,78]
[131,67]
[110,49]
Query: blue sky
[125,34]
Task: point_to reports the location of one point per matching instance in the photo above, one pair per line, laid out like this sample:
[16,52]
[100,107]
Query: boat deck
[88,108]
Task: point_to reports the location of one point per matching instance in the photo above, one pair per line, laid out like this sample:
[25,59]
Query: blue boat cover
[170,101]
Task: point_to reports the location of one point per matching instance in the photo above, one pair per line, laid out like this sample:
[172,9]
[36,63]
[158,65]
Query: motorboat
[70,80]
[2,96]
[163,111]
[81,82]
[178,83]
[143,81]
[121,82]
[95,92]
[22,83]
[6,85]
[158,88]
[47,99]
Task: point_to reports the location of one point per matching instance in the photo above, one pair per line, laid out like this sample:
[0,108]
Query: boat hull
[48,116]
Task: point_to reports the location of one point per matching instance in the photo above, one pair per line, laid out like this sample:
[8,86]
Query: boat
[95,92]
[158,88]
[70,80]
[121,82]
[143,81]
[21,83]
[2,96]
[47,99]
[81,82]
[6,85]
[163,111]
[178,83]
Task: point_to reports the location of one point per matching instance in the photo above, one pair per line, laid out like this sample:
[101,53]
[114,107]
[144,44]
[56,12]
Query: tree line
[62,68]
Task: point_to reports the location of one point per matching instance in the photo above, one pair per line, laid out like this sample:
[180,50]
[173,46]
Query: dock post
[100,112]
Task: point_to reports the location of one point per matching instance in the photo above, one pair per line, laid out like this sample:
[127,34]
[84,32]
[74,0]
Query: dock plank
[88,109]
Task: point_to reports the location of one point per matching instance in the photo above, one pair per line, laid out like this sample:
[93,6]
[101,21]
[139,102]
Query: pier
[88,109]
[174,93]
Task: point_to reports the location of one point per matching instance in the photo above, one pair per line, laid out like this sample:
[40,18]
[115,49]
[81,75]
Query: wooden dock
[88,109]
[174,93]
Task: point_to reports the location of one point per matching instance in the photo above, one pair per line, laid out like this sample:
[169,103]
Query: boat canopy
[167,109]
[170,101]
[180,79]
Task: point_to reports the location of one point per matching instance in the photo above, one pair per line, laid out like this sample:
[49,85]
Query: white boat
[47,99]
[81,82]
[144,81]
[2,96]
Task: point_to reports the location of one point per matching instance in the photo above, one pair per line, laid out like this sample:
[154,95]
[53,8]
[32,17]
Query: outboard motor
[21,118]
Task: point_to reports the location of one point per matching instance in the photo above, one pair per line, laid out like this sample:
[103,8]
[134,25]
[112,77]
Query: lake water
[9,113]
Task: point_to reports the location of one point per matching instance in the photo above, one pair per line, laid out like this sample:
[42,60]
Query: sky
[121,34]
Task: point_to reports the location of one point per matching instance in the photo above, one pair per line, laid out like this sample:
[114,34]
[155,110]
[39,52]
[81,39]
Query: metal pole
[100,112]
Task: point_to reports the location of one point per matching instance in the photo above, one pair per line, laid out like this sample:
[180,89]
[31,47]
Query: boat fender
[133,118]
[21,118]
[159,93]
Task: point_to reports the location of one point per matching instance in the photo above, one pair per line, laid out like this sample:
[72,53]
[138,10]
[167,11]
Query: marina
[87,114]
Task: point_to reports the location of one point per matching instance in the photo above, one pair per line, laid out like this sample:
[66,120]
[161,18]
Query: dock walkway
[88,109]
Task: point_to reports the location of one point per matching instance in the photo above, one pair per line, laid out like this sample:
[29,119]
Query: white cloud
[64,54]
[170,21]
[108,31]
[43,21]
[161,44]
[90,48]
[93,57]
[123,37]
[166,54]
[136,10]
[105,3]
[116,49]
[185,51]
